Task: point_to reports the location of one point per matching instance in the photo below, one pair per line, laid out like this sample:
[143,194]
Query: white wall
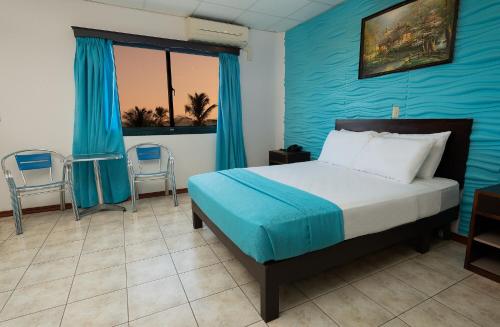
[263,95]
[37,88]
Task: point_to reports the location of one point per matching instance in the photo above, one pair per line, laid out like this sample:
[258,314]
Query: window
[196,83]
[164,92]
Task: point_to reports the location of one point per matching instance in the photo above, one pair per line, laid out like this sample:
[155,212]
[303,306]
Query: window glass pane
[142,86]
[195,79]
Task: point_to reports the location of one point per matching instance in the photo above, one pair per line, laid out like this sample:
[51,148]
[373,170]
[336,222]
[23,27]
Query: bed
[348,213]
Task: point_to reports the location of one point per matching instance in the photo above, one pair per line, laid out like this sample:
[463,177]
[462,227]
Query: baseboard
[160,193]
[459,238]
[55,207]
[26,211]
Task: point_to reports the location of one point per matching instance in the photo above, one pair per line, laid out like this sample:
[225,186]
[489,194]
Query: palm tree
[160,116]
[198,108]
[138,118]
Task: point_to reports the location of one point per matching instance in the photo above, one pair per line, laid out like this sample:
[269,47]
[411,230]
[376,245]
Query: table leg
[98,184]
[69,178]
[101,206]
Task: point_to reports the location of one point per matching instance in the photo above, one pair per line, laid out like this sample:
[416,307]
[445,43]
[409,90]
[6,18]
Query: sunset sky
[142,78]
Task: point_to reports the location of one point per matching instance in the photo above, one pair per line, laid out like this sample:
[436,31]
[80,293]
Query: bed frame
[272,274]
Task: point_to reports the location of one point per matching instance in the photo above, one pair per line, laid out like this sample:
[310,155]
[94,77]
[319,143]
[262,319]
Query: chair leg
[133,195]
[136,192]
[174,189]
[74,206]
[18,214]
[63,198]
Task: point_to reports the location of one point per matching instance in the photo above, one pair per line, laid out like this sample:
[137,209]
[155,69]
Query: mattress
[369,203]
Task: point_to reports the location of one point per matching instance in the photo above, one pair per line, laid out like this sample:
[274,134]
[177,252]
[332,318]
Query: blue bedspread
[266,219]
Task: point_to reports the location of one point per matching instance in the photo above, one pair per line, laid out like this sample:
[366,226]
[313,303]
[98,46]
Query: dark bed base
[272,274]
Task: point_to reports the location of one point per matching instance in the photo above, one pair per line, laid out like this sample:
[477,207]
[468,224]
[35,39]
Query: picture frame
[409,35]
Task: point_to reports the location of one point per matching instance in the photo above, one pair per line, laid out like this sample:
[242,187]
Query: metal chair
[31,172]
[150,162]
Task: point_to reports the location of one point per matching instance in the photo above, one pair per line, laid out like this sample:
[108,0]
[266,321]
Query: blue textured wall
[321,84]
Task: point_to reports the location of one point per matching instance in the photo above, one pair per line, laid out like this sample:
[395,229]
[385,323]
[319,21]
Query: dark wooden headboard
[455,156]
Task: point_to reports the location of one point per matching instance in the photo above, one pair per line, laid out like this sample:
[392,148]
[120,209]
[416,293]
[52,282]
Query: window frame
[168,46]
[171,129]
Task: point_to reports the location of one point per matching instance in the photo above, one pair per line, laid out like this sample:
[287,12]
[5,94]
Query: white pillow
[398,159]
[433,160]
[372,133]
[342,147]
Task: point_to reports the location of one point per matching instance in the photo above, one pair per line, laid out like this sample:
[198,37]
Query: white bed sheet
[370,204]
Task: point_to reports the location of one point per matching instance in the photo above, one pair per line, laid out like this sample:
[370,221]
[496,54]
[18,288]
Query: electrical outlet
[395,112]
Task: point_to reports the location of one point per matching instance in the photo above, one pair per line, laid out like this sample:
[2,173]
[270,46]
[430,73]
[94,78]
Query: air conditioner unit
[216,32]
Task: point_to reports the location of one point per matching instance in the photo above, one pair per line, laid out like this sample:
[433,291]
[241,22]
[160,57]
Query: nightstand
[278,157]
[483,244]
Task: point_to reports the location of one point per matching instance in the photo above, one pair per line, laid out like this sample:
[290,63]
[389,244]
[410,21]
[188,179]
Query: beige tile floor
[152,269]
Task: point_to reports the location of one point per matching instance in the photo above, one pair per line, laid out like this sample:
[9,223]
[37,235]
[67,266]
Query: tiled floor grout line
[387,309]
[125,264]
[326,314]
[257,321]
[394,318]
[194,247]
[108,267]
[100,250]
[94,296]
[29,265]
[74,275]
[108,292]
[176,271]
[308,300]
[31,313]
[153,313]
[430,268]
[477,290]
[452,309]
[9,236]
[185,294]
[385,269]
[351,283]
[430,297]
[433,298]
[239,286]
[46,261]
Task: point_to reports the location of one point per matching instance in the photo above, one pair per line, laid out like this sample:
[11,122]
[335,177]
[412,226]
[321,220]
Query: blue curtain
[230,146]
[97,122]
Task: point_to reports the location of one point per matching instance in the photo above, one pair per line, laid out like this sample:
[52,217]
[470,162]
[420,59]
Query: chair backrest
[149,157]
[36,163]
[148,153]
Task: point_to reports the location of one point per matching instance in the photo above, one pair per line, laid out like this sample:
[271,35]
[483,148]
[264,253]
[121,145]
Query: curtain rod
[156,42]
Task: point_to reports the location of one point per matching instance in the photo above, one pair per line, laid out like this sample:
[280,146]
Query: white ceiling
[266,15]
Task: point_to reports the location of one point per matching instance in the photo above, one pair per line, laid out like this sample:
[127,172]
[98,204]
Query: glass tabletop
[93,157]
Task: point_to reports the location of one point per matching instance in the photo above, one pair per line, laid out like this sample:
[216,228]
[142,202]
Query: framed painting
[409,35]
